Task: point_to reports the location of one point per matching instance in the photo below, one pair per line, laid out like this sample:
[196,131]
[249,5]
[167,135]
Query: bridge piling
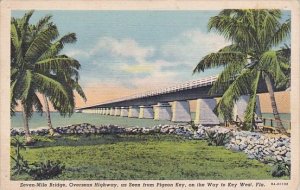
[204,112]
[117,111]
[240,107]
[146,112]
[133,112]
[112,111]
[162,111]
[181,111]
[107,111]
[124,112]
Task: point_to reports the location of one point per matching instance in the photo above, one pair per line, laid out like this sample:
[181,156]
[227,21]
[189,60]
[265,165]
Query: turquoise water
[285,117]
[40,121]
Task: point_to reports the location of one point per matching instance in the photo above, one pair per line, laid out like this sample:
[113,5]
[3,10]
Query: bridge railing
[175,88]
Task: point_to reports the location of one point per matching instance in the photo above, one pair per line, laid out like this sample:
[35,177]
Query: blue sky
[134,51]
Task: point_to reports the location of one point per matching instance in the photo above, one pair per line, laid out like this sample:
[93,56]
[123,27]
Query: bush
[45,170]
[38,171]
[20,165]
[217,139]
[281,169]
[193,125]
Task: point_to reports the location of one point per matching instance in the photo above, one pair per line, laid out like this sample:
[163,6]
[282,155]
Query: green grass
[146,157]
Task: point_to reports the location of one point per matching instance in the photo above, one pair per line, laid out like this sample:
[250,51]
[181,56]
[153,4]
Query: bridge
[171,103]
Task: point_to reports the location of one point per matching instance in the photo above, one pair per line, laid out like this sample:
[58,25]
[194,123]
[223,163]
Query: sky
[127,52]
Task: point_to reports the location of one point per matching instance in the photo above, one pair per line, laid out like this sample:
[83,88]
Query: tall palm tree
[252,57]
[31,73]
[68,77]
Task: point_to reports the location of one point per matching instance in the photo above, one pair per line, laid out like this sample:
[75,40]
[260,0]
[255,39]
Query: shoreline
[256,145]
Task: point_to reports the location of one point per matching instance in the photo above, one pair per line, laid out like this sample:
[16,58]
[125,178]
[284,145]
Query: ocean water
[38,121]
[285,117]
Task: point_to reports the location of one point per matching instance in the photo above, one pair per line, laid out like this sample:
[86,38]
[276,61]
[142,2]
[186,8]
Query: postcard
[150,94]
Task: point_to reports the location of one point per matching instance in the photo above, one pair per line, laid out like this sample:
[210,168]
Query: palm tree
[251,59]
[68,77]
[31,73]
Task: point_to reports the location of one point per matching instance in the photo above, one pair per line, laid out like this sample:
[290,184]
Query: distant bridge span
[190,90]
[155,103]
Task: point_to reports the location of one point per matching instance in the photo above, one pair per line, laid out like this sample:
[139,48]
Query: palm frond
[26,81]
[280,34]
[43,22]
[80,91]
[57,64]
[270,64]
[40,44]
[57,46]
[220,58]
[51,87]
[37,103]
[226,77]
[239,87]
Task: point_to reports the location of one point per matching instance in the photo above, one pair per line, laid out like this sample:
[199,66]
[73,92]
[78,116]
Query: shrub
[193,125]
[217,139]
[38,171]
[20,165]
[281,169]
[45,170]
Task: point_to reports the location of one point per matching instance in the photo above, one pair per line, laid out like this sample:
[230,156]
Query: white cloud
[77,53]
[126,62]
[192,45]
[127,48]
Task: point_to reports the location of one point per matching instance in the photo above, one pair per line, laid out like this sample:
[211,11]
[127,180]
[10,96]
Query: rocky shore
[263,147]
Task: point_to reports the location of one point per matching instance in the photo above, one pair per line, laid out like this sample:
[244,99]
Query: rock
[235,148]
[242,146]
[56,135]
[164,130]
[172,130]
[279,158]
[288,155]
[251,156]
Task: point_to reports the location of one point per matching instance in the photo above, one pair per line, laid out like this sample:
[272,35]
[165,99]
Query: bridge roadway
[155,104]
[190,90]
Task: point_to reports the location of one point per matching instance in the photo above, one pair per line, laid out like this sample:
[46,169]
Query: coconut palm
[67,77]
[252,58]
[32,73]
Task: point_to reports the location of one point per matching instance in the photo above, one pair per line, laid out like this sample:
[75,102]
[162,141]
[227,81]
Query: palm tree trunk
[28,138]
[51,130]
[270,88]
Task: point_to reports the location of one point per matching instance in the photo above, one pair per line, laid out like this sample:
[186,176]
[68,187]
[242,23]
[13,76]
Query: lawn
[145,157]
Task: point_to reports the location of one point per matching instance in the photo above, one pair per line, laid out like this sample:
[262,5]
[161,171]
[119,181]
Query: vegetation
[193,125]
[154,157]
[281,169]
[252,58]
[45,170]
[38,68]
[217,139]
[38,171]
[20,165]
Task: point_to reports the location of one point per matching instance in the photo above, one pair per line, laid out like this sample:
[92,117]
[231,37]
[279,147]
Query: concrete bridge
[172,103]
